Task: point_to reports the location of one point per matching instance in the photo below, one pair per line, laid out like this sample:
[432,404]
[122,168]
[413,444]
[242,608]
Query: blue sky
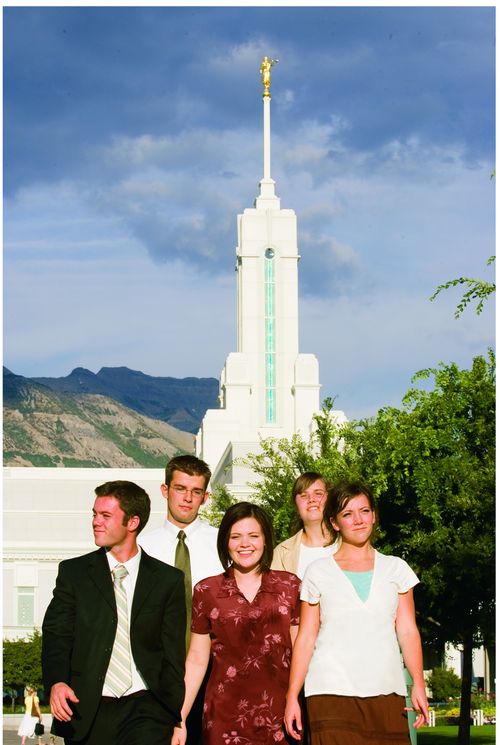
[133,138]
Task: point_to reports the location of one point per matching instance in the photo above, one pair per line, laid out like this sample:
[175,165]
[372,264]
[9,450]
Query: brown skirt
[351,720]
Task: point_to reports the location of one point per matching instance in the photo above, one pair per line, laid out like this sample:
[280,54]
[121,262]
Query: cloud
[285,99]
[239,60]
[177,198]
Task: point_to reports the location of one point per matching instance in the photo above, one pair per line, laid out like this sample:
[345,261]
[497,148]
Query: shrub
[445,684]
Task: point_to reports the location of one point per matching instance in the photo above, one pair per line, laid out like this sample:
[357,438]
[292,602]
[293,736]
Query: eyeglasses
[306,496]
[181,491]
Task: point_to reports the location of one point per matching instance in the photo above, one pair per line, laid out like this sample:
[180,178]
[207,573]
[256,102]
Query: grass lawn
[447,735]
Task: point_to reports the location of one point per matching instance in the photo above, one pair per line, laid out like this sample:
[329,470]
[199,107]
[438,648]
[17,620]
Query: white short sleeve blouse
[356,651]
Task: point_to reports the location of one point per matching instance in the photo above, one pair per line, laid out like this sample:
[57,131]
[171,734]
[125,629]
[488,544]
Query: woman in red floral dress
[245,622]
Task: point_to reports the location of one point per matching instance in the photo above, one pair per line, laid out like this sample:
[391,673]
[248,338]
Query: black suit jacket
[80,625]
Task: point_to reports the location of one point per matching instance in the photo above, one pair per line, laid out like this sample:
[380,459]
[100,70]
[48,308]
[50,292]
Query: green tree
[220,499]
[22,662]
[444,684]
[277,467]
[433,466]
[478,289]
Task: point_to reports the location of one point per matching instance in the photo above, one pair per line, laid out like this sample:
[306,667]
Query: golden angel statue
[265,70]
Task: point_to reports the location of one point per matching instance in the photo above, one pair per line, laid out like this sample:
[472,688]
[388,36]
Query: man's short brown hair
[189,464]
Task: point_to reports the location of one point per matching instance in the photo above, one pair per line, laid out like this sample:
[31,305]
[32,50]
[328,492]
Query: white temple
[267,388]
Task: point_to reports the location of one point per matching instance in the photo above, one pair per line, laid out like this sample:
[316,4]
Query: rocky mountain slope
[181,402]
[43,427]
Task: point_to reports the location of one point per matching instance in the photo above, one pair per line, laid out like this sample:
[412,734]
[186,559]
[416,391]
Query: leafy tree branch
[478,289]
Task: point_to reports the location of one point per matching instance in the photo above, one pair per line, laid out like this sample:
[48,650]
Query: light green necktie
[183,562]
[119,675]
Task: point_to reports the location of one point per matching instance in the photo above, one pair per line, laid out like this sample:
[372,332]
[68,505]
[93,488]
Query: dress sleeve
[310,591]
[405,577]
[200,620]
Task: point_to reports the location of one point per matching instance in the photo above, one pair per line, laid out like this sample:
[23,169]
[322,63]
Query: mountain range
[181,402]
[117,417]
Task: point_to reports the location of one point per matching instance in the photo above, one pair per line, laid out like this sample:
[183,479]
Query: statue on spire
[265,70]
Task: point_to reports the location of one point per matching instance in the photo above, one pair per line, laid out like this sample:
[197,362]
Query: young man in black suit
[113,636]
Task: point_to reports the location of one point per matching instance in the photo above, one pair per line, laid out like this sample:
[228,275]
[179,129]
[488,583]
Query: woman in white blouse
[357,616]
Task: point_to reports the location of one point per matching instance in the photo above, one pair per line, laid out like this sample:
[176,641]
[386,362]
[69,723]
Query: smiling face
[311,503]
[355,521]
[246,544]
[111,529]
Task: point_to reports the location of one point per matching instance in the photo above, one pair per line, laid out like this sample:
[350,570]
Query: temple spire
[267,184]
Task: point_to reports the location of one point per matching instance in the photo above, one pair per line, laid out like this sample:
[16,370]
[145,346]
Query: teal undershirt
[361,582]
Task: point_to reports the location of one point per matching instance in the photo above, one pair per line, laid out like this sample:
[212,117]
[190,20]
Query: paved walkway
[10,736]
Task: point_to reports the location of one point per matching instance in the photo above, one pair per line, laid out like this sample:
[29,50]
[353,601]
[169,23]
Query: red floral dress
[251,652]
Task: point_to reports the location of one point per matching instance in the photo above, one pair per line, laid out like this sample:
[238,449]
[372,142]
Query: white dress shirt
[201,540]
[128,583]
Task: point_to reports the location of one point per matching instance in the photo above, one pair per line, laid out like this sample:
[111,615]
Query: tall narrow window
[270,342]
[25,606]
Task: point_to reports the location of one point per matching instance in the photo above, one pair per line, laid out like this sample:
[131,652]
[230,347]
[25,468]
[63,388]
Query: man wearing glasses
[187,542]
[185,491]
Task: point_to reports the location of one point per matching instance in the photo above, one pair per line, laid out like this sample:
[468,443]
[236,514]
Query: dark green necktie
[183,563]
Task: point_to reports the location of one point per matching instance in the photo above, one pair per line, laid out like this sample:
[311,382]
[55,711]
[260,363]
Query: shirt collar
[132,565]
[189,529]
[229,587]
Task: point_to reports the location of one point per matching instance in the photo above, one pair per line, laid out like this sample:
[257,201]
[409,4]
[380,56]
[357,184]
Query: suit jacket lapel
[100,574]
[146,582]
